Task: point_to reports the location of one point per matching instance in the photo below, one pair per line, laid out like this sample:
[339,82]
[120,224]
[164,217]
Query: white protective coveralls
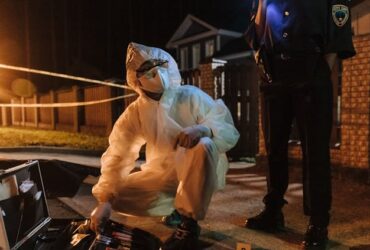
[184,178]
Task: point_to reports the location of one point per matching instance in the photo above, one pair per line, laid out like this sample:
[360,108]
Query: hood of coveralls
[138,53]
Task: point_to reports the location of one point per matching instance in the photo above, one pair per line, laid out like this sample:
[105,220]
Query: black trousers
[301,89]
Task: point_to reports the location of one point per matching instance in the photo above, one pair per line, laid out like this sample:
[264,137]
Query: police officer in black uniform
[296,44]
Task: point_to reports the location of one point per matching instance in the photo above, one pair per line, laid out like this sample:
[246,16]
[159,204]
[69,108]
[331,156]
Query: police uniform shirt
[303,26]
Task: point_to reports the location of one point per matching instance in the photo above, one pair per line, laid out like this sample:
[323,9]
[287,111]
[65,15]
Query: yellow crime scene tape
[65,76]
[63,104]
[49,73]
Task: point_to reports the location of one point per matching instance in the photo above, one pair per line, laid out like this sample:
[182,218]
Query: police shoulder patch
[340,14]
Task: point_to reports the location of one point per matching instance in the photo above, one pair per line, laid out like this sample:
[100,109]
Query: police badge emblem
[340,14]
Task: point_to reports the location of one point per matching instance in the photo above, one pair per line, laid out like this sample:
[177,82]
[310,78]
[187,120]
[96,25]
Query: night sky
[89,38]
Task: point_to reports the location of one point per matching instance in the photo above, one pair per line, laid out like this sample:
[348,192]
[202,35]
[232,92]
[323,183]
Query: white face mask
[155,80]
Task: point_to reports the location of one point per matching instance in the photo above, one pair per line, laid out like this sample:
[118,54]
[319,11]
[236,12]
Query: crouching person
[186,133]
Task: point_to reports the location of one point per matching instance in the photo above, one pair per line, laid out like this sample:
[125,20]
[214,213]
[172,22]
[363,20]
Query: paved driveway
[246,185]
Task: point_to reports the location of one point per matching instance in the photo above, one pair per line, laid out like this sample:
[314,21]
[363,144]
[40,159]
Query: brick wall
[356,106]
[355,111]
[207,79]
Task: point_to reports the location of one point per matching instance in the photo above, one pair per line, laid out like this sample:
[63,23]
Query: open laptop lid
[23,206]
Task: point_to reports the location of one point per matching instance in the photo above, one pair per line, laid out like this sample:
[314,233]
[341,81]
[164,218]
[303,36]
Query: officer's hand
[99,216]
[190,136]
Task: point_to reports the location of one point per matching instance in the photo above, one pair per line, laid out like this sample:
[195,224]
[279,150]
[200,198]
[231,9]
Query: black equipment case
[24,212]
[25,223]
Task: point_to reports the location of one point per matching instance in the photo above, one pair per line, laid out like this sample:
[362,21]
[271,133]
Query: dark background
[89,38]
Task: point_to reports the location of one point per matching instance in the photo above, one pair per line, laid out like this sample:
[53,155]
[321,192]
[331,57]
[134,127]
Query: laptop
[23,208]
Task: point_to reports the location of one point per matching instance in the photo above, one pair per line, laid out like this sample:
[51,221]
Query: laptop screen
[22,203]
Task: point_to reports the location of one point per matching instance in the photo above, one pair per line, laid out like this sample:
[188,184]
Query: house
[196,40]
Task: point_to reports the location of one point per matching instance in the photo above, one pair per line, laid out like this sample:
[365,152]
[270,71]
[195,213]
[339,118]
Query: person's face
[153,76]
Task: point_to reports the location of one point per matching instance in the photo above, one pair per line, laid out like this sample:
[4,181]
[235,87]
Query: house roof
[193,28]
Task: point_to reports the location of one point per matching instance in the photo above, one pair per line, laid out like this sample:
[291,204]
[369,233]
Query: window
[184,58]
[196,55]
[210,48]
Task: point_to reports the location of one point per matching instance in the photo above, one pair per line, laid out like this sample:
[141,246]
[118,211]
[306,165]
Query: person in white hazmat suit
[186,133]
